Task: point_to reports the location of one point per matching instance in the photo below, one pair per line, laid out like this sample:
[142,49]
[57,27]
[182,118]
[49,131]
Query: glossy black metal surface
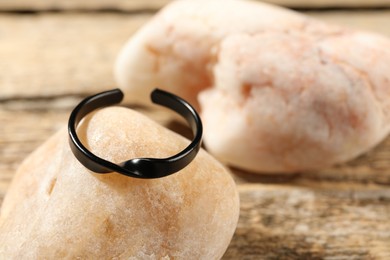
[146,168]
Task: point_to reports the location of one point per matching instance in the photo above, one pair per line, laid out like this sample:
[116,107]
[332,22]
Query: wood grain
[312,222]
[52,55]
[51,60]
[153,5]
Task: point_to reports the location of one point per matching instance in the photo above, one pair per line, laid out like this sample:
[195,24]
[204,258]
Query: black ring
[146,168]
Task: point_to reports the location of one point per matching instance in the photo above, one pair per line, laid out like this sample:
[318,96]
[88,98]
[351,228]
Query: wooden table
[53,53]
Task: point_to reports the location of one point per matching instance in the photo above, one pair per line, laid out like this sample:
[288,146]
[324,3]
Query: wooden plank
[312,222]
[51,55]
[153,5]
[86,5]
[58,54]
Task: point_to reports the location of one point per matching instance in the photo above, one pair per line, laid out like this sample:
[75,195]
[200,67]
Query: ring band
[146,168]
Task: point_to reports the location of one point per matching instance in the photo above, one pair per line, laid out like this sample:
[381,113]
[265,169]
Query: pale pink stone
[278,91]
